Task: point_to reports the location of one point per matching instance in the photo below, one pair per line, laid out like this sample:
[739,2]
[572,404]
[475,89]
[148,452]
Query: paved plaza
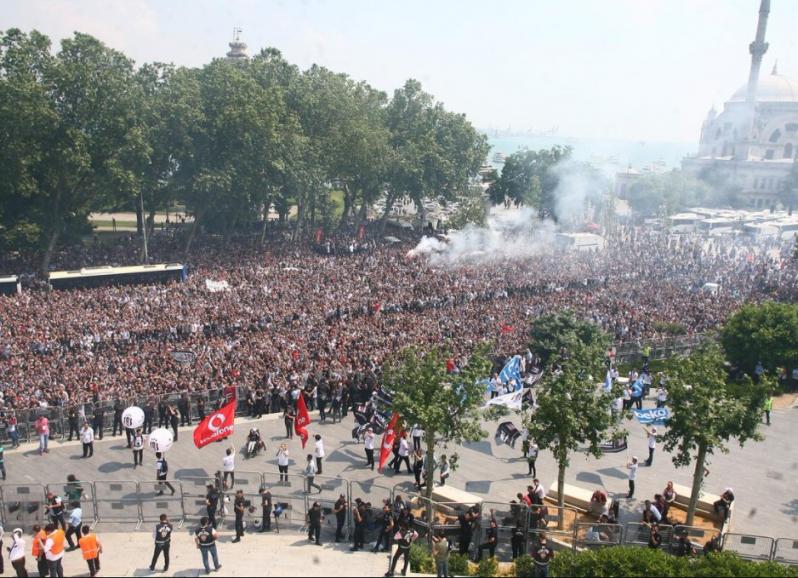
[763,476]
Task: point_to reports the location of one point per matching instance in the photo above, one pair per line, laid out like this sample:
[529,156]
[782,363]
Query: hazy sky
[631,69]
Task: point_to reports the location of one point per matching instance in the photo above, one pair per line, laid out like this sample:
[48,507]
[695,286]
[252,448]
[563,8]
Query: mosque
[752,144]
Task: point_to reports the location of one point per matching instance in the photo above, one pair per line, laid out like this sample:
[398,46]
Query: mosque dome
[771,88]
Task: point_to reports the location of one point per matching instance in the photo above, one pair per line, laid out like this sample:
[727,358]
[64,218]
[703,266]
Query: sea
[611,156]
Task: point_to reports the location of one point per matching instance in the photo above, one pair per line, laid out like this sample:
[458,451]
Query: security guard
[163,539]
[239,507]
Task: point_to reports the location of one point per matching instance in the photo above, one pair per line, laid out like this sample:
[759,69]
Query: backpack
[164,466]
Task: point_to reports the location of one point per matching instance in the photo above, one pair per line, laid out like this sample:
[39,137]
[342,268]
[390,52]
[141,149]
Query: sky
[599,69]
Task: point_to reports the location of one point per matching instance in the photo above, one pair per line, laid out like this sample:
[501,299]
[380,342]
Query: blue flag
[652,416]
[512,371]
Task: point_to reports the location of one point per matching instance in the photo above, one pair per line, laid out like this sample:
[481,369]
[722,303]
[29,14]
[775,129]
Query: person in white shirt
[138,448]
[52,554]
[318,452]
[539,490]
[229,467]
[404,455]
[662,396]
[310,474]
[73,529]
[368,440]
[651,513]
[651,436]
[632,467]
[416,433]
[87,438]
[445,470]
[282,462]
[16,553]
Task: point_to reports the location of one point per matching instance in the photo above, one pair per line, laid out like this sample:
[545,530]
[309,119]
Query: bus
[133,275]
[10,285]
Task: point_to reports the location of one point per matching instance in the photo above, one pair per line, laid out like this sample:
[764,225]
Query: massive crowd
[297,313]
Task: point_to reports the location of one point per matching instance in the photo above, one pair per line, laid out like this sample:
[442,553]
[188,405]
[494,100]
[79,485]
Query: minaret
[758,48]
[238,49]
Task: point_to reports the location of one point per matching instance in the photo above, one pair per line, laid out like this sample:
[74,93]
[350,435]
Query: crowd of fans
[297,314]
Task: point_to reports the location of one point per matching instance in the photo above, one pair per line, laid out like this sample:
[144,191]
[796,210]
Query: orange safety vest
[37,550]
[58,542]
[90,547]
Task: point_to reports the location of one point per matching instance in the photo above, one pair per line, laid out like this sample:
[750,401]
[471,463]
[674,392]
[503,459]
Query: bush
[488,567]
[524,567]
[421,560]
[626,561]
[458,564]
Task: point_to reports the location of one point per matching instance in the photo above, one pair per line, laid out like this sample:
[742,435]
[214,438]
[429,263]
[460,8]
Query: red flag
[361,232]
[302,419]
[506,328]
[319,235]
[387,441]
[216,426]
[230,393]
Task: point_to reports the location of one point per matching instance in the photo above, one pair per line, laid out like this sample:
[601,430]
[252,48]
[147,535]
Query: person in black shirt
[386,528]
[314,523]
[163,415]
[149,414]
[288,417]
[163,539]
[99,420]
[161,471]
[517,541]
[339,509]
[404,539]
[654,537]
[359,516]
[542,557]
[184,405]
[466,522]
[173,419]
[201,409]
[490,541]
[205,539]
[266,504]
[239,507]
[72,416]
[118,409]
[212,503]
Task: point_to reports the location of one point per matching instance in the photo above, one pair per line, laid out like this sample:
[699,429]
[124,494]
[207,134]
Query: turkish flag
[216,426]
[505,328]
[387,441]
[302,419]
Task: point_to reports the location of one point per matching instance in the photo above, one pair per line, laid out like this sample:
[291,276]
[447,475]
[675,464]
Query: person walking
[440,553]
[205,537]
[339,509]
[266,506]
[42,427]
[651,438]
[91,548]
[368,442]
[239,508]
[212,503]
[53,549]
[16,553]
[282,462]
[531,458]
[314,519]
[138,448]
[404,455]
[310,474]
[318,452]
[87,439]
[161,471]
[75,523]
[162,534]
[229,467]
[767,408]
[404,539]
[632,467]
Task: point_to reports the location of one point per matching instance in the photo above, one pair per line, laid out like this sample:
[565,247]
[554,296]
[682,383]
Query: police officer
[239,507]
[386,528]
[118,409]
[212,503]
[359,516]
[266,505]
[72,417]
[163,539]
[99,420]
[149,414]
[205,538]
[339,508]
[314,523]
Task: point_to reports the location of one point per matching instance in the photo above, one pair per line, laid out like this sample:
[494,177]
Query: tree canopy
[527,178]
[668,192]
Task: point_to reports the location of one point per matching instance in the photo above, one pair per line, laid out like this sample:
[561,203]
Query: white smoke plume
[580,188]
[507,235]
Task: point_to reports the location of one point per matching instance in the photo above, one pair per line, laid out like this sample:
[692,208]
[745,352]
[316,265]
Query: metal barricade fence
[289,495]
[118,502]
[508,516]
[597,535]
[749,547]
[77,491]
[23,505]
[698,536]
[152,505]
[329,525]
[192,493]
[430,515]
[556,523]
[373,494]
[785,551]
[638,534]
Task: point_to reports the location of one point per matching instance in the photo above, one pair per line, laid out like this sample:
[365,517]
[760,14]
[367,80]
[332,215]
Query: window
[756,182]
[769,155]
[775,136]
[788,151]
[717,134]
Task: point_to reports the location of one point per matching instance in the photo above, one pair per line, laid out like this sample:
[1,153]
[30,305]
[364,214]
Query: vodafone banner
[216,426]
[302,420]
[387,441]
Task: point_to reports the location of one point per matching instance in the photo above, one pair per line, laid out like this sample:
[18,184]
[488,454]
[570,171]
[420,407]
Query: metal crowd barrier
[785,551]
[750,547]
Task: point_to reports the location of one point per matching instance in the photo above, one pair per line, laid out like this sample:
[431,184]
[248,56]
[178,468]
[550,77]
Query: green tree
[707,410]
[668,192]
[766,333]
[571,414]
[445,405]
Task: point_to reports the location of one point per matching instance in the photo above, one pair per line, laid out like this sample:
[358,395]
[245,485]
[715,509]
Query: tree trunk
[48,253]
[348,202]
[388,206]
[430,467]
[698,478]
[264,228]
[560,493]
[192,234]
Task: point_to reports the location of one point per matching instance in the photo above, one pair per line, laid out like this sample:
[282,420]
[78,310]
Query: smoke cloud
[580,188]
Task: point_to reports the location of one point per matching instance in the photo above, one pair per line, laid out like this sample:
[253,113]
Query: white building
[751,145]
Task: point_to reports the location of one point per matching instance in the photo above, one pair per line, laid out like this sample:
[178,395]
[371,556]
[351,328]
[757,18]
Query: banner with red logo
[216,426]
[387,441]
[302,419]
